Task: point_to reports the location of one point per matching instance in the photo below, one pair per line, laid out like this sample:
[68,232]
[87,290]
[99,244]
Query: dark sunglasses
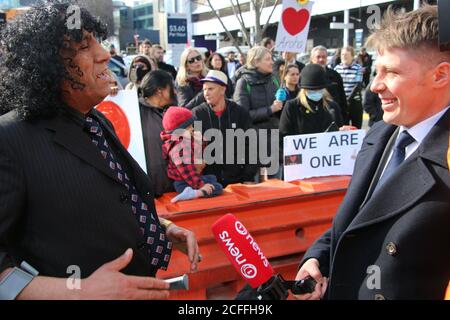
[197,58]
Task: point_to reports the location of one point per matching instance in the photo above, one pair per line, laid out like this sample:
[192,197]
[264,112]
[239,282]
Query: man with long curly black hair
[72,199]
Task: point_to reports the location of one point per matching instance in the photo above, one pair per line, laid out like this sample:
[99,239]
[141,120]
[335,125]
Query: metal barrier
[284,218]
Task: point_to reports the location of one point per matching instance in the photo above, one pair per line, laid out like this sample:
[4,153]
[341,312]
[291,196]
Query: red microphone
[242,251]
[251,263]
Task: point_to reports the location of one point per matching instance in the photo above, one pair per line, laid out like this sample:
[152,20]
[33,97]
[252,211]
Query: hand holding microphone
[251,263]
[311,269]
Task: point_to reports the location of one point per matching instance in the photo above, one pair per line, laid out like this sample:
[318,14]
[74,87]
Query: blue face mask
[315,95]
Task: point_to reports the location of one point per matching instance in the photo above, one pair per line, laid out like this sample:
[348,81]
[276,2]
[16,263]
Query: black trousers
[355,111]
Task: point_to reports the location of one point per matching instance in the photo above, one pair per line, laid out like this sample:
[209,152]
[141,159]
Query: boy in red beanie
[180,145]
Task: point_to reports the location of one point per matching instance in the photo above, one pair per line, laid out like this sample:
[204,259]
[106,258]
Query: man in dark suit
[390,239]
[72,199]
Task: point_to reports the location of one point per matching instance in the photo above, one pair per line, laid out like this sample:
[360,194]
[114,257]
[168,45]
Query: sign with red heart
[295,21]
[294,26]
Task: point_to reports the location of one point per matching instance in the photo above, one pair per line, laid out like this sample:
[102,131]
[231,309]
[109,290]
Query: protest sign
[322,154]
[293,29]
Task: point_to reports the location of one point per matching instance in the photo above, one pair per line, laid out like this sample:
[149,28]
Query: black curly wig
[32,69]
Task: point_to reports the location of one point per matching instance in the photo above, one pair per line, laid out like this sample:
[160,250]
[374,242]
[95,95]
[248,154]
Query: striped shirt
[351,76]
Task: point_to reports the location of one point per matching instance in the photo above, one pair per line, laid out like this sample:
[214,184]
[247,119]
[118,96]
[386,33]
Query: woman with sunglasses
[188,86]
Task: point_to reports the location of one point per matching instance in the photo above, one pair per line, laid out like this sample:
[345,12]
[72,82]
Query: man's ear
[441,77]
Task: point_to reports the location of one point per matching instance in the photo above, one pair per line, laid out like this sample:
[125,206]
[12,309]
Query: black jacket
[372,105]
[276,65]
[168,68]
[234,117]
[230,89]
[399,234]
[255,92]
[188,97]
[296,119]
[336,89]
[60,203]
[151,119]
[238,74]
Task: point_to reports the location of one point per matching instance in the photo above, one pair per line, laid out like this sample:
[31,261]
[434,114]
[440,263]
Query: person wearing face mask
[140,66]
[156,92]
[313,111]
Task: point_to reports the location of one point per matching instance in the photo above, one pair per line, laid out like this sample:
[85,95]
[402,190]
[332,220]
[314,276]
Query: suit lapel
[141,180]
[365,167]
[407,186]
[69,136]
[410,182]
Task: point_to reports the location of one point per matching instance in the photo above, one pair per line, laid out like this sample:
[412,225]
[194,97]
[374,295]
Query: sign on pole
[341,25]
[177,30]
[123,111]
[177,37]
[321,155]
[293,29]
[359,37]
[214,37]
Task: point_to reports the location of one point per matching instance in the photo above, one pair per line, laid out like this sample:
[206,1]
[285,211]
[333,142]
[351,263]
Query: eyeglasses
[197,58]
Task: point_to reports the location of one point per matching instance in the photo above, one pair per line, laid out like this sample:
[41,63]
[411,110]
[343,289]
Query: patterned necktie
[159,248]
[398,156]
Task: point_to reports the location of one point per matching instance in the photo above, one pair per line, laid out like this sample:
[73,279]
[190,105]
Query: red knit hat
[177,118]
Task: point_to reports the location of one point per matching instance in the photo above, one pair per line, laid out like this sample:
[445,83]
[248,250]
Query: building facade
[324,12]
[143,16]
[133,23]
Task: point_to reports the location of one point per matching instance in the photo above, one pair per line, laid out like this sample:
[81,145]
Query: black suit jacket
[402,229]
[60,205]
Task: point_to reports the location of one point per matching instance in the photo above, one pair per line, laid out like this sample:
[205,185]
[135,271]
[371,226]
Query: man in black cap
[313,111]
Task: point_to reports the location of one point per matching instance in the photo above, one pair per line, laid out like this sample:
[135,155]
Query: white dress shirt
[419,133]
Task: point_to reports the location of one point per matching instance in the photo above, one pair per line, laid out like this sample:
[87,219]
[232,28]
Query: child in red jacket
[181,148]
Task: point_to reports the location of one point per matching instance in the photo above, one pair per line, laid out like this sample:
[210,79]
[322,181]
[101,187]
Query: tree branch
[238,15]
[258,35]
[225,28]
[270,16]
[262,7]
[250,42]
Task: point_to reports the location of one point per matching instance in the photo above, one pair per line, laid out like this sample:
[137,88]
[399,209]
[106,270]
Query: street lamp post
[346,31]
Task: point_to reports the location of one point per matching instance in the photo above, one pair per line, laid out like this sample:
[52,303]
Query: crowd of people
[260,93]
[71,194]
